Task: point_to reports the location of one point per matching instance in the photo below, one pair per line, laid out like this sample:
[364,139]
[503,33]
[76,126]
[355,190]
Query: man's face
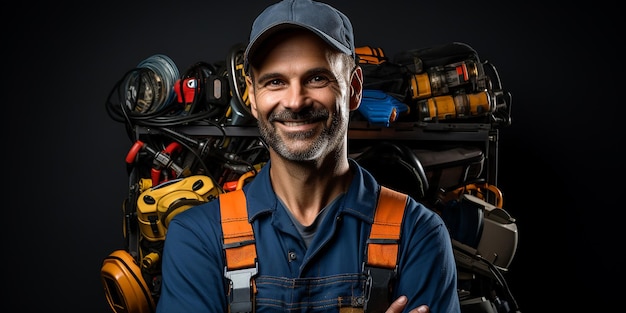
[300,96]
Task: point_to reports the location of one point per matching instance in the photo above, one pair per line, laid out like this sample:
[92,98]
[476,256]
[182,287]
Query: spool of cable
[150,86]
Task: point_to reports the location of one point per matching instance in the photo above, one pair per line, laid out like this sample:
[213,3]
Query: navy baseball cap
[320,18]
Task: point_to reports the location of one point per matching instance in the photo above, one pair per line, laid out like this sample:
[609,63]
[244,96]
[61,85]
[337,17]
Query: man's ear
[356,88]
[251,95]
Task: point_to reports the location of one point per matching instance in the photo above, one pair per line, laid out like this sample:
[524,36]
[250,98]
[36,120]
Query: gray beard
[330,137]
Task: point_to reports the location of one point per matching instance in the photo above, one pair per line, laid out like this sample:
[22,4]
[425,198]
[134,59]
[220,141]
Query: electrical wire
[119,108]
[165,75]
[501,281]
[197,156]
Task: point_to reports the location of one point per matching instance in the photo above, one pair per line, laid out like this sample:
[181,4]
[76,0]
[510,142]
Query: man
[311,207]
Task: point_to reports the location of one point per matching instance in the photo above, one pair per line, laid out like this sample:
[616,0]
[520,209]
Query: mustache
[308,114]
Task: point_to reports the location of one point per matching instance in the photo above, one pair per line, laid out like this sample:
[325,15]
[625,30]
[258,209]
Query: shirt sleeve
[193,266]
[427,269]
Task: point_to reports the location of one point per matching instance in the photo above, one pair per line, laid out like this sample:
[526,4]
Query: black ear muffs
[125,289]
[395,166]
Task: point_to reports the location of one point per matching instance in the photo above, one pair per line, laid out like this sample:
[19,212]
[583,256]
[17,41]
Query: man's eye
[274,83]
[319,81]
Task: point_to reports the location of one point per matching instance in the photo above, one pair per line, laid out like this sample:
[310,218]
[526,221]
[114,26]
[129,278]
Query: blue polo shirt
[324,277]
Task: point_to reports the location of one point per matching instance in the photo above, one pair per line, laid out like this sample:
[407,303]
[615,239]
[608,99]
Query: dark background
[560,169]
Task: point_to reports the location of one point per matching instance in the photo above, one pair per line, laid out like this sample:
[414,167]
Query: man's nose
[296,97]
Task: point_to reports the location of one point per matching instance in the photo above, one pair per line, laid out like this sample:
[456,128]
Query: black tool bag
[381,74]
[418,60]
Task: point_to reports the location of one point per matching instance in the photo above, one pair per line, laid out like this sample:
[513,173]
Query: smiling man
[311,208]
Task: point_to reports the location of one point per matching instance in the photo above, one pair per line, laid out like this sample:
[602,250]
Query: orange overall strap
[382,250]
[240,249]
[385,234]
[238,235]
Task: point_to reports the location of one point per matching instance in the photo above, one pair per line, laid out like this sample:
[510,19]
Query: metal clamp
[240,292]
[378,288]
